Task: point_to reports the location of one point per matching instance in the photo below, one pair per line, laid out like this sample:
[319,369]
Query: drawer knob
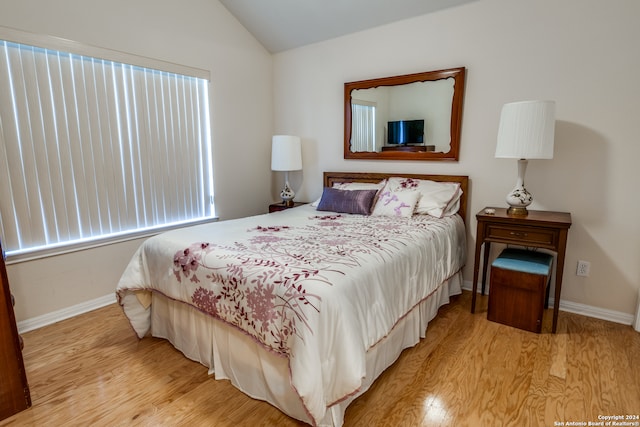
[518,234]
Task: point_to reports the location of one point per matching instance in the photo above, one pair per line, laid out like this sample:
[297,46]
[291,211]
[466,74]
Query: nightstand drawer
[521,234]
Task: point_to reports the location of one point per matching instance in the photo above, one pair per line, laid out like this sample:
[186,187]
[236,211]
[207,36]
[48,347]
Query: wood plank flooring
[92,370]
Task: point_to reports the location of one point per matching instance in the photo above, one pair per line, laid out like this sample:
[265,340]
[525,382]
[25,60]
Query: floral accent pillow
[437,199]
[396,203]
[347,201]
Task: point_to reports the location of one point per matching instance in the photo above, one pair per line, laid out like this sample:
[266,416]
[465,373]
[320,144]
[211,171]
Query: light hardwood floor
[92,370]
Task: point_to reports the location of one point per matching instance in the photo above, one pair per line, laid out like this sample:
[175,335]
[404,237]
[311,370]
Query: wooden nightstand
[539,229]
[275,207]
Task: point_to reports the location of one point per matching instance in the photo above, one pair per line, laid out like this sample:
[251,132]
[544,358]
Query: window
[94,149]
[363,119]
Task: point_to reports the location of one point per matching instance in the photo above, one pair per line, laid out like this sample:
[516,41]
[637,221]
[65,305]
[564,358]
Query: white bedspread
[317,288]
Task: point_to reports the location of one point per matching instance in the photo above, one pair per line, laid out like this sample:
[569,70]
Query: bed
[304,308]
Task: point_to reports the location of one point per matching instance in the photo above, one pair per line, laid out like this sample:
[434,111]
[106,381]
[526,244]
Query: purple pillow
[347,201]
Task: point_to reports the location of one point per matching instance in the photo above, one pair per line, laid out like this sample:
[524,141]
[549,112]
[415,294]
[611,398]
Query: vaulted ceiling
[286,24]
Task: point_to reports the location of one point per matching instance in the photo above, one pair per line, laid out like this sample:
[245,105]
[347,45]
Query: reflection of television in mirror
[405,132]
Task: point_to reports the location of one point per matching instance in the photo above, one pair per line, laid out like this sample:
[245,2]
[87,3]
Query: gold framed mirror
[408,117]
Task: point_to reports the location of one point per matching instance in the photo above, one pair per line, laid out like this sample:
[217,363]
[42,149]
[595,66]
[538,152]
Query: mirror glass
[410,117]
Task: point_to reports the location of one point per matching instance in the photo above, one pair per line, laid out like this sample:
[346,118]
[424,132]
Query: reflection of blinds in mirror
[363,126]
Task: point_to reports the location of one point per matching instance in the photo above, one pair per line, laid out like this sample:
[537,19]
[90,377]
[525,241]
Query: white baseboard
[583,309]
[66,313]
[597,312]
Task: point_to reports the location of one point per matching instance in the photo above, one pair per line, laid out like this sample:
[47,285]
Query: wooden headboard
[331,178]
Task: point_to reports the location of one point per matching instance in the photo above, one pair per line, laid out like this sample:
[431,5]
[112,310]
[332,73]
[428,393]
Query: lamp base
[287,195]
[517,211]
[519,198]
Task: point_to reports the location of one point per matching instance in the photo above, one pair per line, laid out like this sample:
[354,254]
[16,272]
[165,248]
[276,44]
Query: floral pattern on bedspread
[319,289]
[260,283]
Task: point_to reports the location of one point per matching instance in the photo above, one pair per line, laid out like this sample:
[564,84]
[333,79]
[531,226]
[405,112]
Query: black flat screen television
[405,132]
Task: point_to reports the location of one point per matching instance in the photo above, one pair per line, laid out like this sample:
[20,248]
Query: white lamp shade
[527,130]
[286,153]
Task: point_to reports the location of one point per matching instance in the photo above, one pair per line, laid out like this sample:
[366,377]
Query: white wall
[581,53]
[198,33]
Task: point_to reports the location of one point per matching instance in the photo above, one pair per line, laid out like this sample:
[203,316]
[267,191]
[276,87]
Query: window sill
[39,253]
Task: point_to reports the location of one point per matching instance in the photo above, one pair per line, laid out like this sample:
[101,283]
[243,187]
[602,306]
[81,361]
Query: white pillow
[453,208]
[437,199]
[360,185]
[395,203]
[354,186]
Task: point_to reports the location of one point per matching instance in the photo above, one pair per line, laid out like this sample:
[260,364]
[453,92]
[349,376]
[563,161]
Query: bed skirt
[230,354]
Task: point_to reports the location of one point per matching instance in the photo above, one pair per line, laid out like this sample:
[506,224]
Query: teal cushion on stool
[523,260]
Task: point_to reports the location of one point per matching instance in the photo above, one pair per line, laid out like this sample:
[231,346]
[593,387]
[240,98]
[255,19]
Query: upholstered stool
[519,289]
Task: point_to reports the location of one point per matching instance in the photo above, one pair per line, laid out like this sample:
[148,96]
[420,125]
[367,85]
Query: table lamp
[526,132]
[286,155]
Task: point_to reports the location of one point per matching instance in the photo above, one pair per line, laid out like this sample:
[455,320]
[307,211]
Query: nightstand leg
[485,262]
[474,285]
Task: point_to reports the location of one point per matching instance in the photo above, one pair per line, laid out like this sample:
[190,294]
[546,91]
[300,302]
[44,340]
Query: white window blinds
[91,148]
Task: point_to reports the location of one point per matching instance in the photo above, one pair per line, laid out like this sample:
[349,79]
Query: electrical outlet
[583,268]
